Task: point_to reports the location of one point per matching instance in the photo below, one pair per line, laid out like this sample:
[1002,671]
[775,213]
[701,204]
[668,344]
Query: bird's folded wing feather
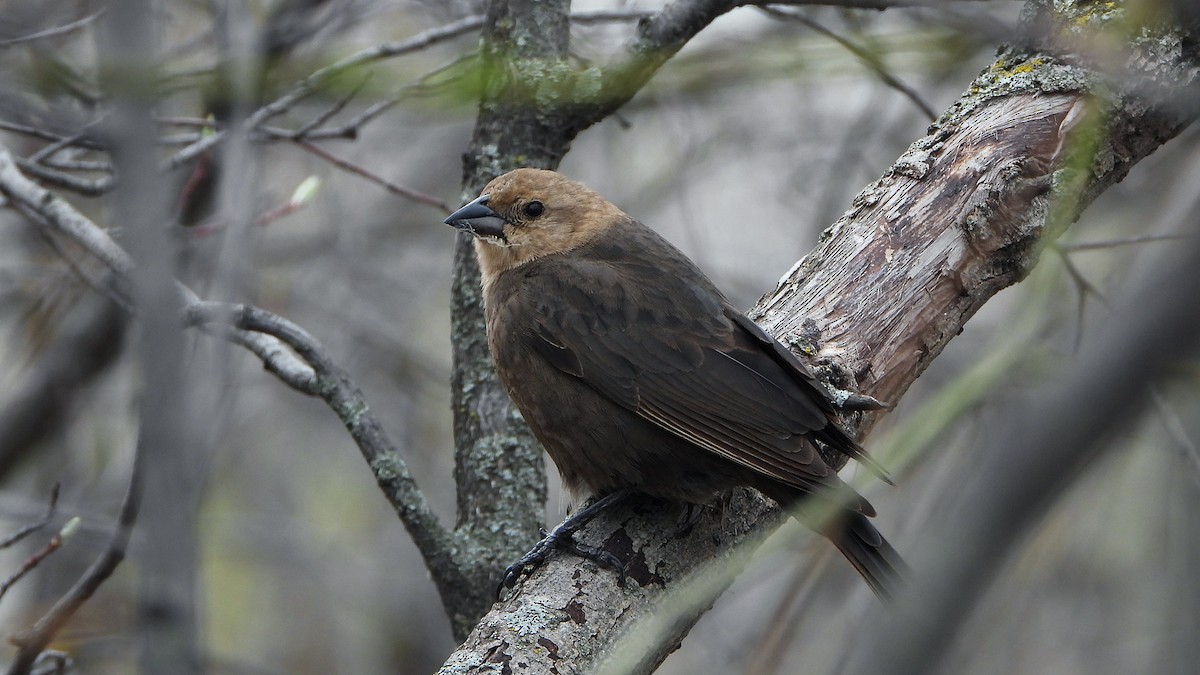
[678,358]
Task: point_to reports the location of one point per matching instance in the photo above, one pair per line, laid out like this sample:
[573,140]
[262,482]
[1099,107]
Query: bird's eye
[534,209]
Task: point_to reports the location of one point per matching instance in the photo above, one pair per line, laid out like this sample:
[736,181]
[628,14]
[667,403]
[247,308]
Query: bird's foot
[564,536]
[531,560]
[687,519]
[597,555]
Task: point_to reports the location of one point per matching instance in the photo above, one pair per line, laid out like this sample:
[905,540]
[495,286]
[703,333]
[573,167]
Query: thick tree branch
[1016,476]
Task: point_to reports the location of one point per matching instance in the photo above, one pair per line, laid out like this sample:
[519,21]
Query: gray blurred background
[741,151]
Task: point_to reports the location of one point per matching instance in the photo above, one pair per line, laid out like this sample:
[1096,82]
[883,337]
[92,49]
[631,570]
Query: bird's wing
[679,356]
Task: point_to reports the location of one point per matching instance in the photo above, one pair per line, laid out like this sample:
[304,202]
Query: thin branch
[416,43]
[34,527]
[60,215]
[350,167]
[61,143]
[79,165]
[869,58]
[32,642]
[36,559]
[1175,429]
[194,122]
[350,129]
[276,359]
[328,114]
[89,188]
[1115,243]
[322,76]
[1083,288]
[56,31]
[42,134]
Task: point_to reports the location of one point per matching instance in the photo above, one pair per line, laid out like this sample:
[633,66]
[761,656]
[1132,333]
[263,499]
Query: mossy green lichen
[1017,71]
[387,468]
[1087,15]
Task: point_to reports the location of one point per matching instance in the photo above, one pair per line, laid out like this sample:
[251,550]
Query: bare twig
[328,114]
[89,188]
[869,58]
[56,31]
[60,215]
[36,559]
[42,134]
[1115,243]
[61,143]
[1174,426]
[350,167]
[322,76]
[1083,287]
[34,527]
[32,642]
[350,129]
[79,165]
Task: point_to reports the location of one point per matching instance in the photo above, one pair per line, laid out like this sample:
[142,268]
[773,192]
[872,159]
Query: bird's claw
[564,535]
[528,562]
[537,555]
[597,555]
[692,513]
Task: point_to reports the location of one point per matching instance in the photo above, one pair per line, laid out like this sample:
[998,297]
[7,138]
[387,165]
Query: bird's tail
[874,558]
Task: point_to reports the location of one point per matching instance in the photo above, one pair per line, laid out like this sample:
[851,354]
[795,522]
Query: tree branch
[1015,478]
[961,215]
[33,642]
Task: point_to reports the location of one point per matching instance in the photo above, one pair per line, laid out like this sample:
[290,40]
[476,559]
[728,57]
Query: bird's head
[530,213]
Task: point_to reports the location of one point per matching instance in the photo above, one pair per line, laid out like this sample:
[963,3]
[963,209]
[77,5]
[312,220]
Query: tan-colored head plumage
[544,213]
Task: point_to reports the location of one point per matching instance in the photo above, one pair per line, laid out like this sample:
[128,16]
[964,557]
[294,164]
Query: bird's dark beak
[478,219]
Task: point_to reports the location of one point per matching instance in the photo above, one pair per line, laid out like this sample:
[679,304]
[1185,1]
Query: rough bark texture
[961,215]
[499,470]
[951,223]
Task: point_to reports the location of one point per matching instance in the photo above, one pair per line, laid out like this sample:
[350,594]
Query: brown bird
[637,375]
